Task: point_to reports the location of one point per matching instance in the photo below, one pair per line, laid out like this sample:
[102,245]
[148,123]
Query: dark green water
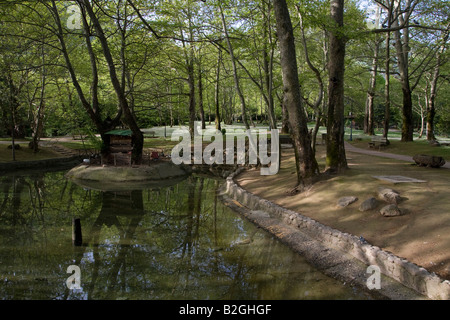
[176,242]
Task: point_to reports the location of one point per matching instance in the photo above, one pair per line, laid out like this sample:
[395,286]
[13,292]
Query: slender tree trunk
[13,135]
[387,99]
[268,67]
[13,105]
[38,126]
[369,116]
[422,112]
[316,129]
[200,94]
[235,74]
[431,111]
[191,82]
[217,93]
[269,83]
[336,159]
[189,57]
[39,115]
[317,104]
[306,164]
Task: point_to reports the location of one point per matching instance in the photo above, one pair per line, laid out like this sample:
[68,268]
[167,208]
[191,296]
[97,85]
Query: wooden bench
[79,136]
[378,141]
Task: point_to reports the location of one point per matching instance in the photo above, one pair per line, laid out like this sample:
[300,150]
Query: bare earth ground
[421,234]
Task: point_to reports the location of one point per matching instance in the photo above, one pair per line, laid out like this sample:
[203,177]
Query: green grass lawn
[77,144]
[160,143]
[157,143]
[26,154]
[359,139]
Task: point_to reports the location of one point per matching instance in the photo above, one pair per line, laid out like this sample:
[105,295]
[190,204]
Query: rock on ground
[345,201]
[368,204]
[390,210]
[389,195]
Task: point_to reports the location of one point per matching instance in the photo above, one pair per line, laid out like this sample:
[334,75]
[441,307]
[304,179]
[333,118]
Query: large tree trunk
[407,113]
[402,49]
[93,109]
[336,159]
[284,117]
[306,164]
[138,137]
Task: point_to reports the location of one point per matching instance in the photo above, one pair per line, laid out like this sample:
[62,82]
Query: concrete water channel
[174,242]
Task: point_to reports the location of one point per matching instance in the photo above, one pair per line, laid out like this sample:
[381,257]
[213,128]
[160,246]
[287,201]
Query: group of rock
[389,197]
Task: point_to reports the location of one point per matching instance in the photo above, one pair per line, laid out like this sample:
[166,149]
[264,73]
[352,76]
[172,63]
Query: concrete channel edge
[391,266]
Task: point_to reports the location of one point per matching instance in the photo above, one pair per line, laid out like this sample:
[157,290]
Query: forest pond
[167,243]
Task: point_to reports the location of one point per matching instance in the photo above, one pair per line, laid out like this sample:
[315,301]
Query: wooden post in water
[77,238]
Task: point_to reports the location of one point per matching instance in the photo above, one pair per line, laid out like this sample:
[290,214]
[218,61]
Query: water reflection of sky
[177,242]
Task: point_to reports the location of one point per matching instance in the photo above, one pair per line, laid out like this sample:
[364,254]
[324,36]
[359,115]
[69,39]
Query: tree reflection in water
[173,242]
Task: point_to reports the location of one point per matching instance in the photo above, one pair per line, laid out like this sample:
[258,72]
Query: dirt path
[421,234]
[350,148]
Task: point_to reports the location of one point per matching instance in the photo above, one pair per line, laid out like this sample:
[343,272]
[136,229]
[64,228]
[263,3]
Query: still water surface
[173,242]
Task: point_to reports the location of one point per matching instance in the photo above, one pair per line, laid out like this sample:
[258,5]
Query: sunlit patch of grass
[77,144]
[160,143]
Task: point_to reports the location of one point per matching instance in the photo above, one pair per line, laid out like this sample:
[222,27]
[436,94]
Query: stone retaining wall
[401,270]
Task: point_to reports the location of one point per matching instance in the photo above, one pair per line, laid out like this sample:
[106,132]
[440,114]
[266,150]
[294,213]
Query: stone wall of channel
[401,270]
